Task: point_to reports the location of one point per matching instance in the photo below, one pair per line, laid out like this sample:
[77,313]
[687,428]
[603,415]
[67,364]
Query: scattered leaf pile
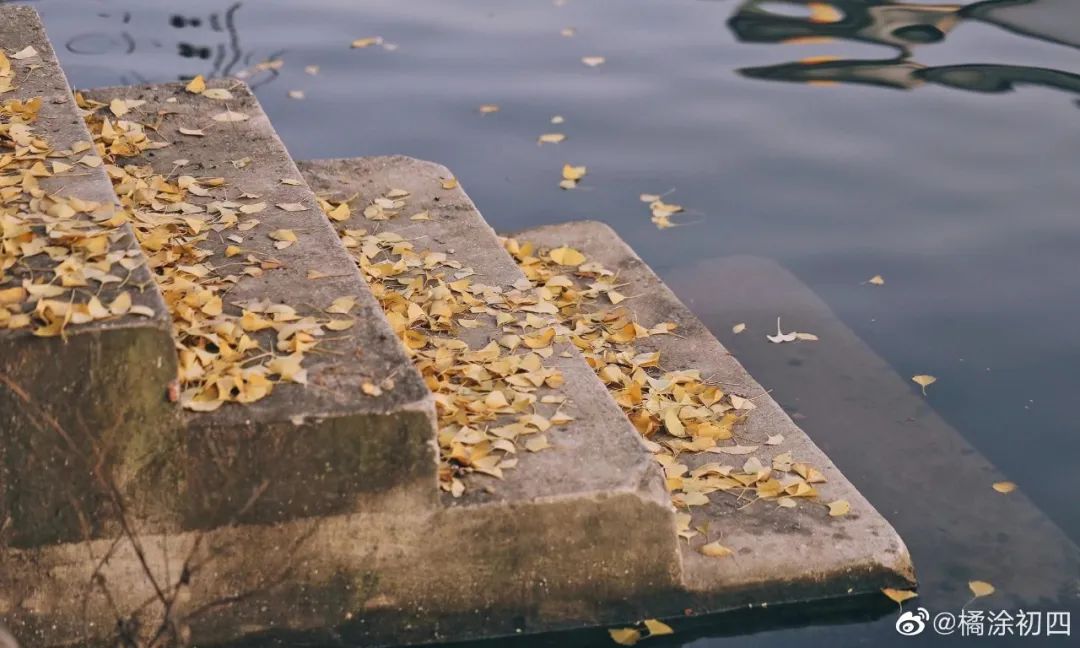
[195,237]
[58,253]
[677,411]
[494,397]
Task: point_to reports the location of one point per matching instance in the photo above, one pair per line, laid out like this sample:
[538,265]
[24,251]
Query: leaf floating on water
[572,175]
[657,628]
[568,32]
[196,85]
[557,119]
[230,116]
[361,43]
[296,94]
[924,381]
[839,508]
[550,138]
[625,636]
[311,69]
[1004,487]
[898,595]
[877,280]
[715,550]
[807,337]
[980,588]
[738,328]
[593,61]
[487,109]
[780,336]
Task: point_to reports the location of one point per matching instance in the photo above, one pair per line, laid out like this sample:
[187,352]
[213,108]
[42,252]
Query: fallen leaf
[25,53]
[924,381]
[360,43]
[296,94]
[311,69]
[877,280]
[550,138]
[292,207]
[898,595]
[230,116]
[557,119]
[196,85]
[194,132]
[342,305]
[657,628]
[781,336]
[625,636]
[220,94]
[487,109]
[839,508]
[568,32]
[593,61]
[980,588]
[715,550]
[449,183]
[738,328]
[567,256]
[1004,487]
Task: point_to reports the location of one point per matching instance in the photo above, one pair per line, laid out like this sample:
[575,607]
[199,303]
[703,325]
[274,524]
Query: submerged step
[298,399]
[765,516]
[85,341]
[866,416]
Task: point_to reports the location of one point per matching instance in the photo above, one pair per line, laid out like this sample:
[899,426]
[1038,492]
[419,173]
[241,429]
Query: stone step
[548,475]
[784,549]
[85,340]
[298,399]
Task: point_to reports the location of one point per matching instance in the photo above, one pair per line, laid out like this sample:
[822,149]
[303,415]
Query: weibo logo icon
[912,623]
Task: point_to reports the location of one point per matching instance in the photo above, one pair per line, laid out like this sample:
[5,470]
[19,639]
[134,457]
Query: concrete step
[298,399]
[865,416]
[786,547]
[85,339]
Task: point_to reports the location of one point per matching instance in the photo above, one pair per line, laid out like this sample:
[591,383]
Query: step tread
[60,125]
[338,371]
[770,544]
[598,452]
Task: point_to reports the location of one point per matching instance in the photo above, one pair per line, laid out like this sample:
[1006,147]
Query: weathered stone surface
[599,452]
[73,407]
[781,555]
[310,449]
[875,424]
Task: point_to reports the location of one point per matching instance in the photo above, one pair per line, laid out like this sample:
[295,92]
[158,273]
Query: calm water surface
[936,146]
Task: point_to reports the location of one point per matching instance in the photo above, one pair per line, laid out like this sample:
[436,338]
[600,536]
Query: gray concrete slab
[920,471]
[308,449]
[781,554]
[68,403]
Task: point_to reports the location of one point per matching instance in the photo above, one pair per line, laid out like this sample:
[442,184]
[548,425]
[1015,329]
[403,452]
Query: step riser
[70,405]
[376,580]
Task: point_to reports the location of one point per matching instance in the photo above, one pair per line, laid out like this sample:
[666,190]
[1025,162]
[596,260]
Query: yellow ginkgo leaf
[197,85]
[1004,487]
[898,595]
[877,280]
[571,172]
[839,508]
[625,636]
[657,628]
[924,381]
[567,256]
[980,588]
[715,550]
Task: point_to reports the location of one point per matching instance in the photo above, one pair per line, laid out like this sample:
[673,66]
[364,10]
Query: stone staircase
[240,399]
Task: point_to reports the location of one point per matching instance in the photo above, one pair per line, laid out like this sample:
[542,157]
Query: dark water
[938,147]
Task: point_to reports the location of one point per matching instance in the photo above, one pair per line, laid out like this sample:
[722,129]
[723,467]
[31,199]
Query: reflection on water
[904,27]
